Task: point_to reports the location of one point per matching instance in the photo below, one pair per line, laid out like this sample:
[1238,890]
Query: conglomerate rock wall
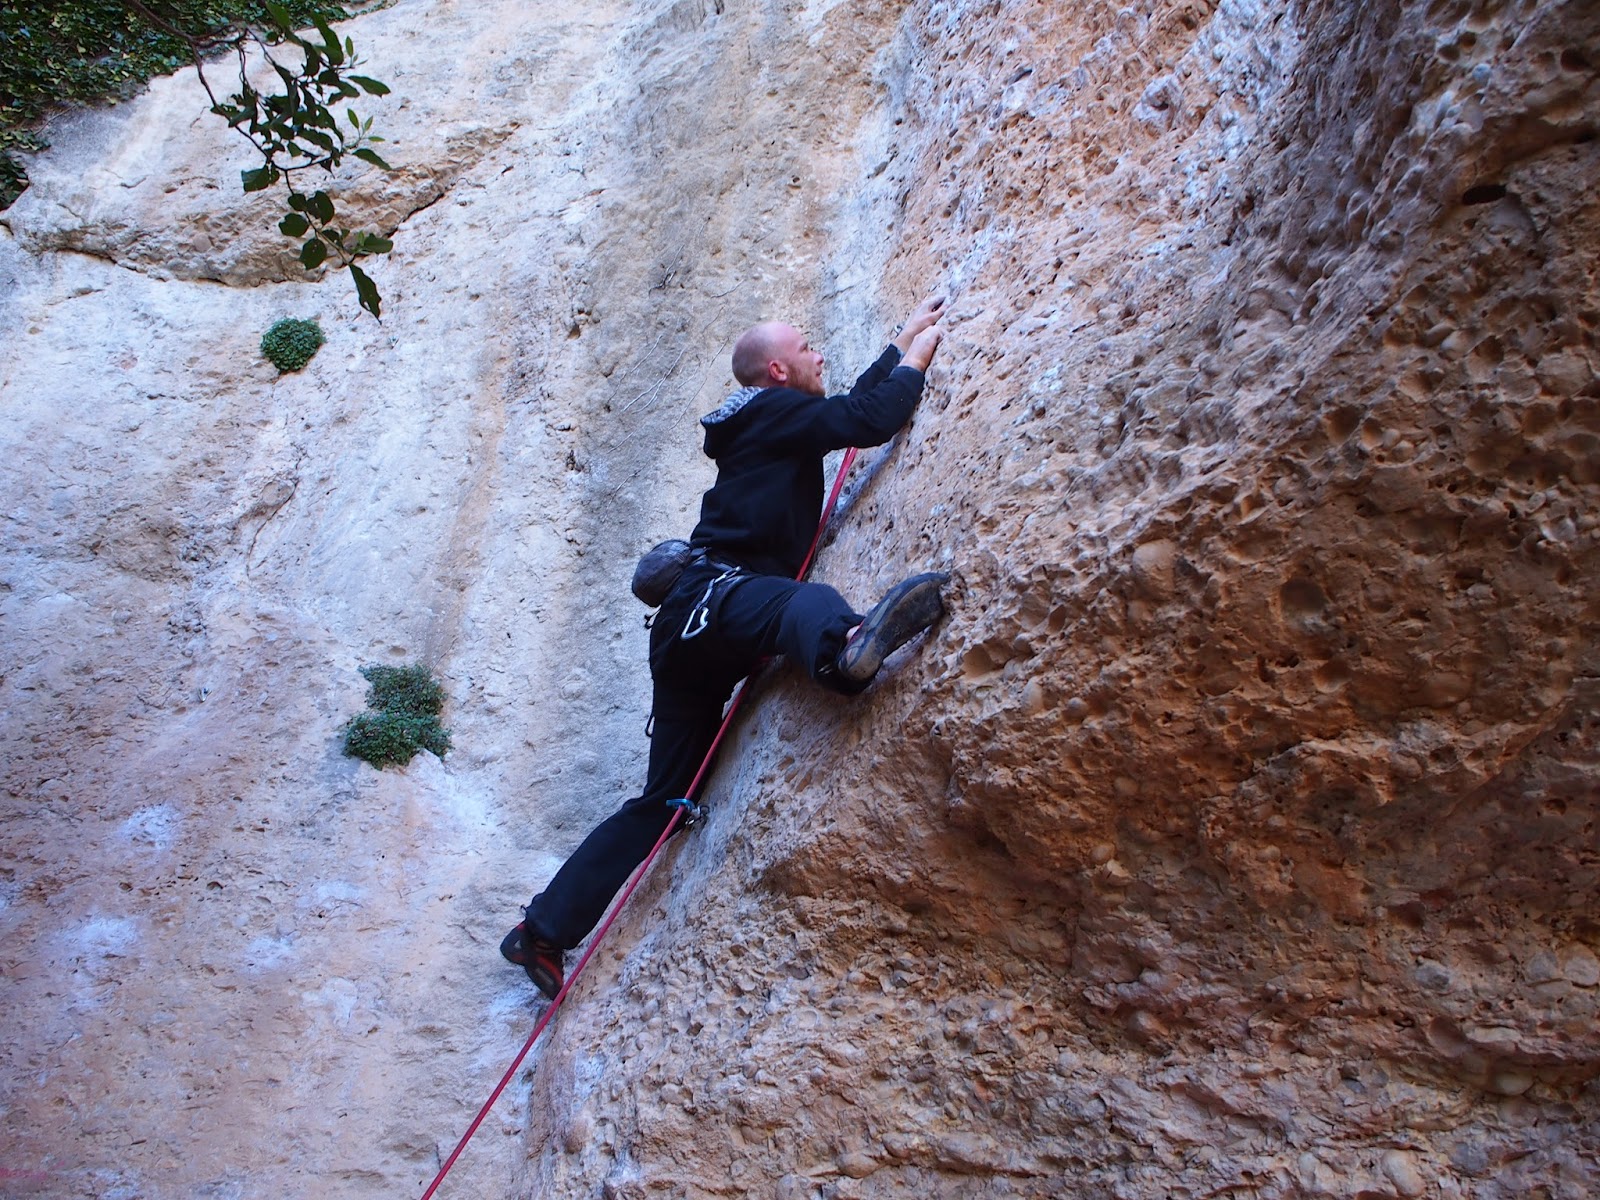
[1234,835]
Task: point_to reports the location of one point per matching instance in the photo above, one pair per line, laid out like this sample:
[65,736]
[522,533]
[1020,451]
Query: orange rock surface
[1234,835]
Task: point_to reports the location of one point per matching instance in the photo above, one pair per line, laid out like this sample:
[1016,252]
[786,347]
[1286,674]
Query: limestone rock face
[1234,835]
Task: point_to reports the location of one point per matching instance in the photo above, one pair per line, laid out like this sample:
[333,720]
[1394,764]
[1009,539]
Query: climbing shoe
[905,611]
[541,960]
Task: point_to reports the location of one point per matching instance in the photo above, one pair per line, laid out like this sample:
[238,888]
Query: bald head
[773,354]
[753,351]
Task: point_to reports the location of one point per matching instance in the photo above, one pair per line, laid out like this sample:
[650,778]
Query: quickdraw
[700,615]
[692,813]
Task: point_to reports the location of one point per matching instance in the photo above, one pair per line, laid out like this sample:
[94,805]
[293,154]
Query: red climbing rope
[638,875]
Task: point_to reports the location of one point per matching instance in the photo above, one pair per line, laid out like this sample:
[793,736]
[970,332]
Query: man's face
[803,364]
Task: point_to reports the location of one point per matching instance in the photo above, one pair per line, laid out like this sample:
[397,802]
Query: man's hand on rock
[920,353]
[922,317]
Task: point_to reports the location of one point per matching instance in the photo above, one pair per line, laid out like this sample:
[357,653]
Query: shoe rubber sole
[905,611]
[544,978]
[542,967]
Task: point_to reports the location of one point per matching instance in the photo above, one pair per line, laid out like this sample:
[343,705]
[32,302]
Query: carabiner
[700,615]
[692,813]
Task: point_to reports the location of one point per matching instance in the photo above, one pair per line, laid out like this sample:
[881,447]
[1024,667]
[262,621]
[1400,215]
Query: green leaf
[293,225]
[298,202]
[329,39]
[354,120]
[374,87]
[312,253]
[259,179]
[371,156]
[371,243]
[367,291]
[321,206]
[279,15]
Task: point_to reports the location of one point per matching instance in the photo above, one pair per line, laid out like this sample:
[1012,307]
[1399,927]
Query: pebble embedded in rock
[1401,1168]
[1435,977]
[1581,967]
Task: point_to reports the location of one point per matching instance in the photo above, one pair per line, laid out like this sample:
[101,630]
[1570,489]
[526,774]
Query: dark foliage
[55,52]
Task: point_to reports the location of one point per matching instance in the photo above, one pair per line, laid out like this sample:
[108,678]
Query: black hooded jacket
[768,444]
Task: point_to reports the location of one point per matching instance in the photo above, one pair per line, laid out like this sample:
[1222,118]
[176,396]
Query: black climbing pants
[746,619]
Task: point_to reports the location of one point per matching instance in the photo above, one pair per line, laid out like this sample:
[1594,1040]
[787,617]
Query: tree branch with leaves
[83,50]
[296,131]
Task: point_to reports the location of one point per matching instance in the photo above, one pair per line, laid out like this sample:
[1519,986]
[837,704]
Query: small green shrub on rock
[290,343]
[411,691]
[403,717]
[384,737]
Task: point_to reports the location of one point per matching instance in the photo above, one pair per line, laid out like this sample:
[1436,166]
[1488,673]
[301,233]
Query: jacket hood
[735,401]
[715,420]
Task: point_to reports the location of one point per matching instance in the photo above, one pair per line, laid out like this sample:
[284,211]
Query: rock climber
[737,600]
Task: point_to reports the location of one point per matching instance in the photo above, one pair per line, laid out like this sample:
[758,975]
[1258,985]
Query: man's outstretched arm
[883,398]
[922,317]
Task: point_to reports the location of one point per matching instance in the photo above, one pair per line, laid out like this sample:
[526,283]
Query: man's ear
[777,372]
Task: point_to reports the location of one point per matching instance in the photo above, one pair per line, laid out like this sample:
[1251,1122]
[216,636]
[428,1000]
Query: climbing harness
[684,808]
